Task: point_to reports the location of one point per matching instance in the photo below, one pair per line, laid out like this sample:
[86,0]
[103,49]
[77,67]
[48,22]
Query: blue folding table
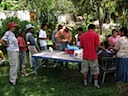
[60,56]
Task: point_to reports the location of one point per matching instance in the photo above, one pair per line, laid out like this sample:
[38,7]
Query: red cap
[11,24]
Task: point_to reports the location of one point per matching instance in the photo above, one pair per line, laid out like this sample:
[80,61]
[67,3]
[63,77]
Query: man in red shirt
[89,42]
[23,48]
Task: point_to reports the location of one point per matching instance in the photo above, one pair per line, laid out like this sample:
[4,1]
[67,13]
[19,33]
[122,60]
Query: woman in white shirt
[122,56]
[9,40]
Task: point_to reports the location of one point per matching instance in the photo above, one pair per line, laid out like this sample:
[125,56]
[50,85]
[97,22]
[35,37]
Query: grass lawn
[53,82]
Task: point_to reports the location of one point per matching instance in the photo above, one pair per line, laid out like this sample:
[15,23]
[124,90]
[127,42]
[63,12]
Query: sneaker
[85,85]
[26,74]
[43,65]
[97,86]
[22,75]
[12,83]
[55,65]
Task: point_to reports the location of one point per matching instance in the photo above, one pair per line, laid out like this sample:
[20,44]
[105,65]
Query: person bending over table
[64,37]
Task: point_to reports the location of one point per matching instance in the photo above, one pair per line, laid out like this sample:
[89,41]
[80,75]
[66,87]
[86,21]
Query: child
[23,49]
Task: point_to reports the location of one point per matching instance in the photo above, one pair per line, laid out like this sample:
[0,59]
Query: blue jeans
[63,46]
[22,56]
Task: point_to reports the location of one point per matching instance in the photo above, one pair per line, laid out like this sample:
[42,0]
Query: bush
[21,25]
[5,22]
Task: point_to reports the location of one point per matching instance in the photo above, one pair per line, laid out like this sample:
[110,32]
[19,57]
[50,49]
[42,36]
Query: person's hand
[65,40]
[110,47]
[38,49]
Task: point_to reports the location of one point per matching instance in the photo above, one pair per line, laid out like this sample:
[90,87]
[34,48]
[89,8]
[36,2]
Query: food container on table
[78,54]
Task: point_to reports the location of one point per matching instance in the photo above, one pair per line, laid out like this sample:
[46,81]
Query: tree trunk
[110,18]
[100,19]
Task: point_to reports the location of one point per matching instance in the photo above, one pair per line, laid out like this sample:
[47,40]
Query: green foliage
[9,5]
[53,82]
[20,25]
[5,22]
[45,12]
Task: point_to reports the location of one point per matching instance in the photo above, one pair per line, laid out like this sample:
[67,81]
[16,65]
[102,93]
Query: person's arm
[3,42]
[97,42]
[4,39]
[81,43]
[101,47]
[32,40]
[57,35]
[117,46]
[75,38]
[53,37]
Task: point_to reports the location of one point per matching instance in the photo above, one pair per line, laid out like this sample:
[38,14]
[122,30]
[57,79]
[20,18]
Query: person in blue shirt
[33,46]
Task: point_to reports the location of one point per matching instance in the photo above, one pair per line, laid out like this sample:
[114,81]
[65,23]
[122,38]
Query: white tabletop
[57,55]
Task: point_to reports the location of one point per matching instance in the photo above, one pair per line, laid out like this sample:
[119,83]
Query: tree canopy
[106,11]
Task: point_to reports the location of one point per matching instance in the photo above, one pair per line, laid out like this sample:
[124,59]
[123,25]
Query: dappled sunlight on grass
[53,82]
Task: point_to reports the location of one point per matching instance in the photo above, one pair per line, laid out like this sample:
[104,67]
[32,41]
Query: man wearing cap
[55,40]
[10,42]
[33,46]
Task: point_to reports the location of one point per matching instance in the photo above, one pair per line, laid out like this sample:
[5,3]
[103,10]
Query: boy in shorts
[89,42]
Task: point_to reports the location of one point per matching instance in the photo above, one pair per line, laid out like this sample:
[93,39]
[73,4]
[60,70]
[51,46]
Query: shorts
[92,64]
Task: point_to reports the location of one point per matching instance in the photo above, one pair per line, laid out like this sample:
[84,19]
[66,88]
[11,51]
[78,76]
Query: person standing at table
[114,38]
[64,36]
[33,46]
[55,40]
[43,37]
[43,41]
[77,40]
[23,48]
[89,42]
[78,36]
[122,56]
[10,41]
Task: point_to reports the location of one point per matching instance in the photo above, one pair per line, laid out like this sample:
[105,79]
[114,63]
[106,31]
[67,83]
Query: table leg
[35,65]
